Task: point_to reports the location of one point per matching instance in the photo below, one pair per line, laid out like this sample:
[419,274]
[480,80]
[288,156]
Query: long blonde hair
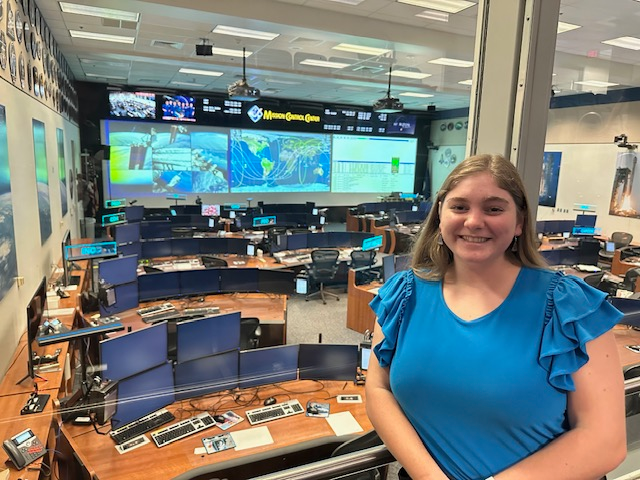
[430,259]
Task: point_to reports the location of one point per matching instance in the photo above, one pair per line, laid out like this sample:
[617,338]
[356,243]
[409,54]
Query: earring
[514,245]
[439,239]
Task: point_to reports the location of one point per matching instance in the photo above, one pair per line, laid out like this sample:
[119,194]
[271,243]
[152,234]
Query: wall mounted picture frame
[11,23]
[3,51]
[18,24]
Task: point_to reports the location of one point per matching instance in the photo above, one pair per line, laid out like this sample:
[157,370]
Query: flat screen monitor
[127,233]
[185,246]
[372,243]
[297,241]
[610,247]
[132,105]
[264,221]
[156,248]
[318,240]
[143,393]
[327,362]
[156,229]
[126,298]
[403,262]
[276,281]
[134,248]
[213,245]
[206,336]
[199,282]
[35,311]
[578,231]
[364,355]
[207,210]
[154,286]
[388,267]
[586,220]
[262,366]
[214,373]
[238,280]
[116,271]
[67,277]
[179,108]
[134,352]
[340,239]
[237,246]
[134,213]
[251,250]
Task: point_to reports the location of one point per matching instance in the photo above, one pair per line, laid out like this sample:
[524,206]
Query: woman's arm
[393,427]
[596,443]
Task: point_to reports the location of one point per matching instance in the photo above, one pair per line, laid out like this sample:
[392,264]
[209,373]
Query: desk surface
[99,455]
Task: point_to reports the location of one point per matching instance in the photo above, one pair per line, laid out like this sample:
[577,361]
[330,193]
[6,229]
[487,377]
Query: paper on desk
[4,474]
[70,288]
[375,290]
[343,423]
[54,312]
[252,437]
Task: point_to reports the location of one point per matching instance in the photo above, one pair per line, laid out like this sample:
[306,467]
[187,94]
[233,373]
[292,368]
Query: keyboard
[154,309]
[142,425]
[273,412]
[182,429]
[160,316]
[200,311]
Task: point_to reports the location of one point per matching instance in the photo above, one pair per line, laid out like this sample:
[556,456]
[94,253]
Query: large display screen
[132,105]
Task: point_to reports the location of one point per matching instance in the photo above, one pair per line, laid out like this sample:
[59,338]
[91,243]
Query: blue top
[486,393]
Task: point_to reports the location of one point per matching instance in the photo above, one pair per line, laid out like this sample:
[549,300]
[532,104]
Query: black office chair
[362,442]
[360,259]
[213,262]
[250,333]
[630,279]
[620,240]
[323,268]
[272,237]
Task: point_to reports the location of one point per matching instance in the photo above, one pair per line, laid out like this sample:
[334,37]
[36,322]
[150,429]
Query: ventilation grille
[165,44]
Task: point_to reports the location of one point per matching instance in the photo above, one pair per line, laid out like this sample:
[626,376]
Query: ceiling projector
[243,92]
[388,105]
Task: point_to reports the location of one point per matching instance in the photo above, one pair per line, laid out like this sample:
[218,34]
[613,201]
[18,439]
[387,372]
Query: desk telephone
[24,448]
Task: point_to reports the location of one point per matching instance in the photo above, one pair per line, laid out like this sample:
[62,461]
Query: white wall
[34,259]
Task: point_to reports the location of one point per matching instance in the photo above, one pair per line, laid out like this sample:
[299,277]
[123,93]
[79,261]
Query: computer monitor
[206,336]
[206,375]
[297,241]
[276,281]
[318,240]
[213,245]
[134,352]
[125,296]
[35,312]
[127,249]
[327,362]
[199,282]
[341,239]
[364,356]
[403,262]
[116,271]
[372,243]
[207,210]
[238,280]
[67,278]
[185,246]
[143,393]
[388,267]
[156,248]
[237,246]
[251,249]
[263,221]
[586,220]
[610,247]
[134,213]
[154,286]
[155,229]
[262,366]
[127,233]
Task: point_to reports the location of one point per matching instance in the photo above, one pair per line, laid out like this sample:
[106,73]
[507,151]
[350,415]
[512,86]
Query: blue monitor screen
[126,298]
[199,282]
[318,240]
[297,241]
[158,229]
[153,286]
[262,366]
[134,248]
[327,362]
[264,221]
[372,243]
[577,231]
[134,213]
[116,271]
[207,336]
[206,375]
[185,246]
[238,280]
[142,394]
[134,352]
[156,248]
[126,233]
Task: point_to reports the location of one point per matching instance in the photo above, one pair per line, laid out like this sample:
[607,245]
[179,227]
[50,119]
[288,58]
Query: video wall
[152,158]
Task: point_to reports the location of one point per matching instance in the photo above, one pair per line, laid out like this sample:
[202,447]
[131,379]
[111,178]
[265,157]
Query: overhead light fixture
[596,83]
[194,71]
[110,77]
[241,90]
[103,37]
[467,82]
[353,2]
[231,53]
[373,51]
[451,62]
[188,84]
[434,15]
[449,6]
[632,43]
[415,94]
[100,12]
[567,27]
[388,104]
[410,74]
[244,32]
[323,63]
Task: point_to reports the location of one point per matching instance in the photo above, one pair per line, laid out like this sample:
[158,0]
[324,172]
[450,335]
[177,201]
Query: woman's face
[478,220]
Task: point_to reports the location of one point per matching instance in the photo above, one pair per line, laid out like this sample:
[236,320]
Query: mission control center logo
[256,114]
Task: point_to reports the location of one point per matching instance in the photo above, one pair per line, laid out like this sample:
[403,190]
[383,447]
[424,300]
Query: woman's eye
[496,210]
[458,208]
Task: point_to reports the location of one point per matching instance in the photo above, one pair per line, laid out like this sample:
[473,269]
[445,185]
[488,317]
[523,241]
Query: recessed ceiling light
[408,74]
[414,94]
[103,37]
[451,62]
[230,53]
[99,12]
[347,47]
[98,75]
[567,27]
[188,84]
[449,6]
[596,83]
[632,43]
[195,71]
[283,82]
[466,82]
[434,15]
[323,63]
[355,2]
[243,32]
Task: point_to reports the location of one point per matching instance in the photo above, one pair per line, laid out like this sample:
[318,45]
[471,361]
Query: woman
[490,364]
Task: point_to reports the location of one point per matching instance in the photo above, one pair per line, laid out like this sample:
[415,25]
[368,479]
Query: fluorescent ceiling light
[433,15]
[347,47]
[103,37]
[99,12]
[449,6]
[596,83]
[451,62]
[408,74]
[323,63]
[195,71]
[355,2]
[414,94]
[230,53]
[567,27]
[98,75]
[244,32]
[466,82]
[188,84]
[632,43]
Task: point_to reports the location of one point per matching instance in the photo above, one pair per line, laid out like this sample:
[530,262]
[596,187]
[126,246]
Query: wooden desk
[360,317]
[98,453]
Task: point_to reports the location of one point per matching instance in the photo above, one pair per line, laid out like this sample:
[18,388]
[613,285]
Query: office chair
[360,259]
[213,262]
[620,240]
[362,442]
[272,237]
[323,268]
[630,279]
[250,333]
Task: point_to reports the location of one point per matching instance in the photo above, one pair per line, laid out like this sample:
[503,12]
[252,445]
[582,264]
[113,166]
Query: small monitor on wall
[264,221]
[372,243]
[178,108]
[210,210]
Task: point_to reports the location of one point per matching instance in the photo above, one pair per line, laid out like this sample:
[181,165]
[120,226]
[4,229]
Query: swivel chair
[323,268]
[360,259]
[250,333]
[213,262]
[620,240]
[361,442]
[271,238]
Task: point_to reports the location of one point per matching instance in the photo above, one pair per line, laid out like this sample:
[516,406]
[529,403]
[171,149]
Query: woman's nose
[475,219]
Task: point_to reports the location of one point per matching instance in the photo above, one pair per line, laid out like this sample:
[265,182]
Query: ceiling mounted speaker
[204,50]
[388,104]
[241,90]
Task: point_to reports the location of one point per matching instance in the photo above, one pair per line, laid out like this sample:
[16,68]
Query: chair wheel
[337,299]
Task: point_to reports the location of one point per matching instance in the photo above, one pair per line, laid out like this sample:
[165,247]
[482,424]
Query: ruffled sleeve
[575,314]
[389,306]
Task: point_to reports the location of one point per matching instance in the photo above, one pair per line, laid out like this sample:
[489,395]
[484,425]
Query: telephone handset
[24,448]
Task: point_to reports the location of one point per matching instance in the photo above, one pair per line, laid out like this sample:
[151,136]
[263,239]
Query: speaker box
[204,50]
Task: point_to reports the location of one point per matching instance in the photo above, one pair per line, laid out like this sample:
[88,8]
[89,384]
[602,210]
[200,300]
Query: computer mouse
[219,418]
[269,401]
